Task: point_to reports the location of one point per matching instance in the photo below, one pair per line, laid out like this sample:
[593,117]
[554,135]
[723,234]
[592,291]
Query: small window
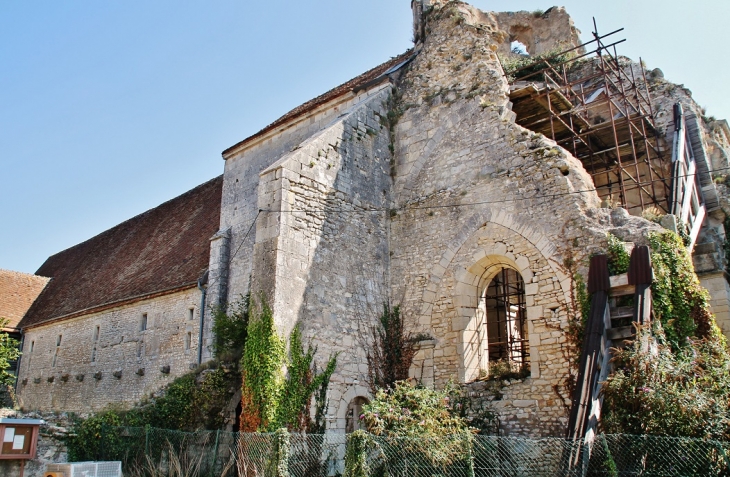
[58,341]
[191,314]
[96,333]
[188,340]
[143,322]
[32,345]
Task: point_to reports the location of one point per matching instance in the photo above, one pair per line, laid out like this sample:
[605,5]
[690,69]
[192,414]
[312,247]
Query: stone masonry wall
[321,248]
[475,193]
[71,365]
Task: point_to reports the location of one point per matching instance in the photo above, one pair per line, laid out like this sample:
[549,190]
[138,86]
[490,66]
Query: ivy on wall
[679,301]
[270,399]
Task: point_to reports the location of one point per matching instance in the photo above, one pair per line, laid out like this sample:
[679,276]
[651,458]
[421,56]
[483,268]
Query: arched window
[503,307]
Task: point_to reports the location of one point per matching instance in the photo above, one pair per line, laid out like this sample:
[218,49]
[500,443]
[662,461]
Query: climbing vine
[230,325]
[270,399]
[8,352]
[261,367]
[678,299]
[302,383]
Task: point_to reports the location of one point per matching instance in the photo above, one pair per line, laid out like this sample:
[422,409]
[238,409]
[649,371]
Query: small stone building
[413,183]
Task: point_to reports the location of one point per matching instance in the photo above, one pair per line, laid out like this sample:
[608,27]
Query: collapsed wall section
[477,194]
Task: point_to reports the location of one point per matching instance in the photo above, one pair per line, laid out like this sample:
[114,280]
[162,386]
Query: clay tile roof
[17,292]
[354,84]
[163,249]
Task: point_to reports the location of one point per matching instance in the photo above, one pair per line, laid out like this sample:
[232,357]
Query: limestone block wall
[83,364]
[474,193]
[321,248]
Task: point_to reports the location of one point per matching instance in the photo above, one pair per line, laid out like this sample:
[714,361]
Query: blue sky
[110,108]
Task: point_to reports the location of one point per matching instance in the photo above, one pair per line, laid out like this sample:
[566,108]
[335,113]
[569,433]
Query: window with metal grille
[506,319]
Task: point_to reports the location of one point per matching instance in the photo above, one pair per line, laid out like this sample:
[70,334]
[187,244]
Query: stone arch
[353,391]
[471,226]
[467,280]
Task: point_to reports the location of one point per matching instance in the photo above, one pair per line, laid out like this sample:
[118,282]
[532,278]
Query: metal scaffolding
[597,106]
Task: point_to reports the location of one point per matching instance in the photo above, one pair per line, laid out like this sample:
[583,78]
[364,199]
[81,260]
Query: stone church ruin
[460,180]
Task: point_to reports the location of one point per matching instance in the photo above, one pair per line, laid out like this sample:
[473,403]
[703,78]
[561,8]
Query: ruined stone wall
[540,31]
[78,374]
[475,192]
[321,252]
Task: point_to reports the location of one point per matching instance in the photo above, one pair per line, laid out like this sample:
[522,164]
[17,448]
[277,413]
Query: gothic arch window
[502,304]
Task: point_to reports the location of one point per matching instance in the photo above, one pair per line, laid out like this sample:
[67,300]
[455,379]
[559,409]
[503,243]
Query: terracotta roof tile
[17,292]
[162,249]
[354,84]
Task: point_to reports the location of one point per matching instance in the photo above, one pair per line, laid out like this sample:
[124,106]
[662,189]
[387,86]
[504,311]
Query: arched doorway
[354,410]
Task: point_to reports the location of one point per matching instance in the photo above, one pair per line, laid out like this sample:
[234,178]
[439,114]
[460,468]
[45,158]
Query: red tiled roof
[163,249]
[17,292]
[353,84]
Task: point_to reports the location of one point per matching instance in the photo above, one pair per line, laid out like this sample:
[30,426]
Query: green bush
[230,325]
[618,257]
[8,352]
[681,393]
[85,440]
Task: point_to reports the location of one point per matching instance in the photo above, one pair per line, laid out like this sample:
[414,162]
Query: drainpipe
[203,287]
[17,363]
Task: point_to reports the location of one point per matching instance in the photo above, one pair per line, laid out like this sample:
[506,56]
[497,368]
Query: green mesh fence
[151,452]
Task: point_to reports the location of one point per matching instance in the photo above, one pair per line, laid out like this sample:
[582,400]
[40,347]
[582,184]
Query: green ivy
[618,257]
[359,445]
[264,357]
[678,299]
[230,325]
[8,352]
[271,400]
[301,383]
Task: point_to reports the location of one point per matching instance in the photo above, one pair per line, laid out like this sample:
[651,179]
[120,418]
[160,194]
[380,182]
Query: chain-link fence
[151,452]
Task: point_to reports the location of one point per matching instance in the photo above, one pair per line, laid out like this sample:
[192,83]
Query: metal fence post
[215,453]
[101,455]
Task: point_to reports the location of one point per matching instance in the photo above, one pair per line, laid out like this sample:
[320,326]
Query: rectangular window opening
[143,322]
[191,314]
[96,333]
[58,341]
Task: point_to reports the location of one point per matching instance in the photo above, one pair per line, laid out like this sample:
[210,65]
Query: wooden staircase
[618,304]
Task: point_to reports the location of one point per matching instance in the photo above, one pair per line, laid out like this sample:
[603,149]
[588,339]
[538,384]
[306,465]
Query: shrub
[682,393]
[618,257]
[230,325]
[391,350]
